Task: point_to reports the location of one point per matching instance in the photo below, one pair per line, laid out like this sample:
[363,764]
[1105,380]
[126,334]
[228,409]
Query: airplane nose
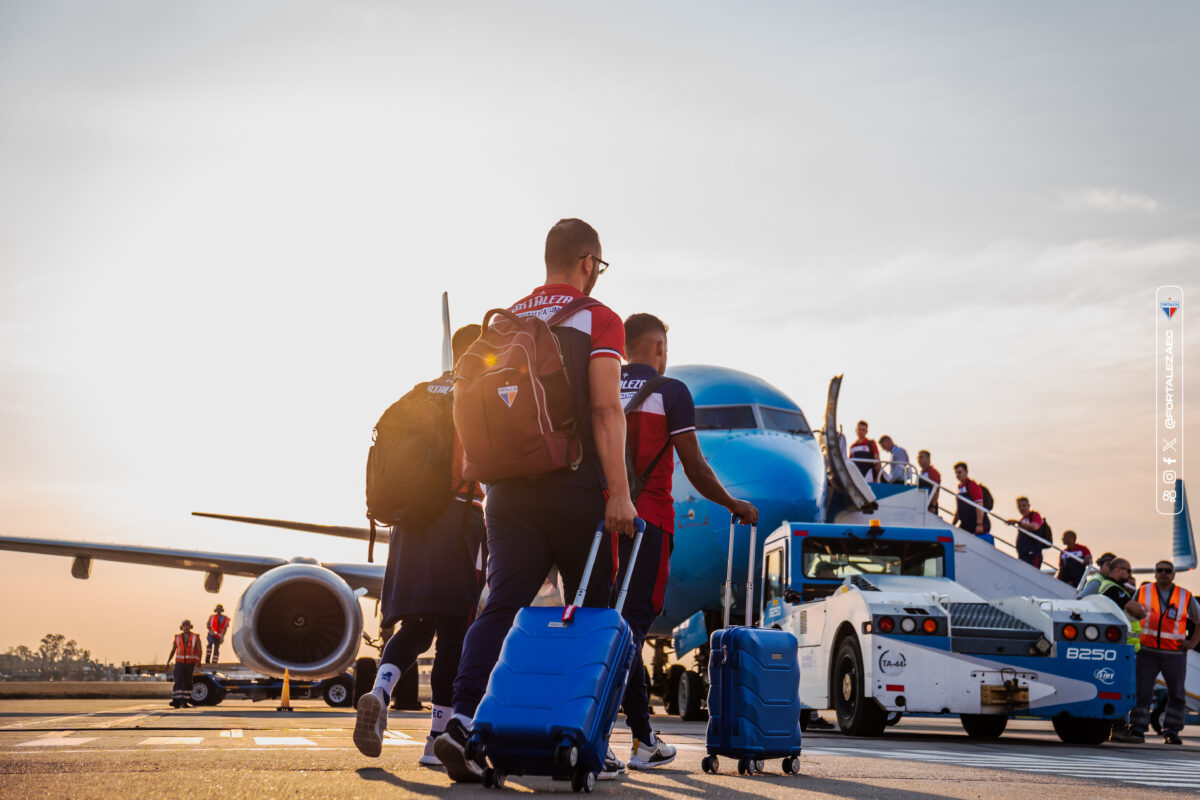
[783,476]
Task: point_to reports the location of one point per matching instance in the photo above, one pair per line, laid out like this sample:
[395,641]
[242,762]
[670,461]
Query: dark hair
[567,241]
[923,453]
[1170,564]
[962,464]
[1104,559]
[639,325]
[885,436]
[1073,533]
[463,338]
[862,422]
[1023,497]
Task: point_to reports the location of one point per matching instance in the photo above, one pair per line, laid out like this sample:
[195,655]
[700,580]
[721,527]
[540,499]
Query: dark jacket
[432,570]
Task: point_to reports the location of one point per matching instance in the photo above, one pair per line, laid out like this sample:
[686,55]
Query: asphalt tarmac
[136,750]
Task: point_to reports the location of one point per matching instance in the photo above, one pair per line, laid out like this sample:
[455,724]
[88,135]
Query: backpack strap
[634,403]
[578,304]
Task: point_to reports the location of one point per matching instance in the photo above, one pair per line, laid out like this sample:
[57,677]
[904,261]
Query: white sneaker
[648,756]
[430,759]
[613,767]
[371,723]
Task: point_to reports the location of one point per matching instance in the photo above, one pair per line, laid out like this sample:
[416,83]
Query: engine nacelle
[300,617]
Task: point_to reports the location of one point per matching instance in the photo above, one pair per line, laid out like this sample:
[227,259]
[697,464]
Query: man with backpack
[968,515]
[1029,548]
[537,404]
[431,585]
[661,421]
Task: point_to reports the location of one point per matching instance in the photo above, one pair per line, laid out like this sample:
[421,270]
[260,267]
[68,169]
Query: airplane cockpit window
[838,559]
[781,419]
[725,418]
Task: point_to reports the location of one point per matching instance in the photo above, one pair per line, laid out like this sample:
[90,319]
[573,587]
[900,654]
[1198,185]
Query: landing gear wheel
[337,691]
[857,713]
[1156,712]
[710,764]
[690,697]
[744,766]
[671,697]
[984,726]
[1080,730]
[364,678]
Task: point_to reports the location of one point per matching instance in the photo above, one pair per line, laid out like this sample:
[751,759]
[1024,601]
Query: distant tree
[56,659]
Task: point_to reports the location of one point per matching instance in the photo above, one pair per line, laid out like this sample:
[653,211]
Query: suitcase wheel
[710,764]
[494,778]
[791,766]
[759,765]
[583,781]
[566,755]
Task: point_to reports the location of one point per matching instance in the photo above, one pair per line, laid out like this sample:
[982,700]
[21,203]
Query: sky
[225,228]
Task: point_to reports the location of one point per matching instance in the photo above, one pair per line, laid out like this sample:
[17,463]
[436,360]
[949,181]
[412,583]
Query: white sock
[386,678]
[438,719]
[467,722]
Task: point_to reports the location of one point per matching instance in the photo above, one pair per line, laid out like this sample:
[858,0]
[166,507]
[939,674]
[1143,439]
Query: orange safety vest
[1164,628]
[218,624]
[187,651]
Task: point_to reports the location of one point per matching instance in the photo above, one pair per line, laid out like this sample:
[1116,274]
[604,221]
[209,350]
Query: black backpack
[988,502]
[408,466]
[638,482]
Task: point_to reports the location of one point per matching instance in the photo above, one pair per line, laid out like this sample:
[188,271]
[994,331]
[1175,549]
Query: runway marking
[61,741]
[232,733]
[396,734]
[1169,773]
[125,721]
[287,741]
[19,725]
[156,740]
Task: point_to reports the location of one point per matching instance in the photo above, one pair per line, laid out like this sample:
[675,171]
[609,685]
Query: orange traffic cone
[285,698]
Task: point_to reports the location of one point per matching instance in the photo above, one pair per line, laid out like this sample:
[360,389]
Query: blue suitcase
[553,696]
[753,689]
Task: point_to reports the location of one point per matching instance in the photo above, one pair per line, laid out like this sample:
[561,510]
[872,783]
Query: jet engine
[300,617]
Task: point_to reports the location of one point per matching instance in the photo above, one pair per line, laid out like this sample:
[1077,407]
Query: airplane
[303,615]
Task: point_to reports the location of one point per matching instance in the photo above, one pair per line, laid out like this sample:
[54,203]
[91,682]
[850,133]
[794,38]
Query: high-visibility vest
[1165,628]
[1134,637]
[187,651]
[218,624]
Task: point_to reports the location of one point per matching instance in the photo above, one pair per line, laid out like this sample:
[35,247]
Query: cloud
[1109,201]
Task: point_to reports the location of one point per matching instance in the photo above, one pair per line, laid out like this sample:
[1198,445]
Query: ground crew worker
[662,424]
[1092,586]
[970,517]
[431,587]
[218,624]
[538,522]
[1029,549]
[1164,651]
[866,451]
[1113,587]
[185,649]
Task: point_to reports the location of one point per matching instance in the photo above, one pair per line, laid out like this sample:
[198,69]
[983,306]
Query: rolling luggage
[753,689]
[552,698]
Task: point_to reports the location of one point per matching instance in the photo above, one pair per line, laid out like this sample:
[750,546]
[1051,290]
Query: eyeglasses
[603,264]
[1164,570]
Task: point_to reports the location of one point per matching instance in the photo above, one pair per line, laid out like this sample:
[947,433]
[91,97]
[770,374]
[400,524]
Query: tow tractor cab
[884,630]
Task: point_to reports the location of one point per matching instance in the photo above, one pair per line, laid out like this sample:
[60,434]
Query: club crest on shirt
[507,394]
[1169,307]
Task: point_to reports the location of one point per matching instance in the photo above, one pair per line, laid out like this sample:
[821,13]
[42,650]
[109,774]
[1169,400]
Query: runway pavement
[141,749]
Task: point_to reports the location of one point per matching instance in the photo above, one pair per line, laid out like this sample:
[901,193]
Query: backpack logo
[508,394]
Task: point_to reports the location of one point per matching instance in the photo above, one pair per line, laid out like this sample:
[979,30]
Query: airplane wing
[382,535]
[364,576]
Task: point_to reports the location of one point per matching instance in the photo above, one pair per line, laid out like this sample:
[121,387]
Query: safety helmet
[219,608]
[187,622]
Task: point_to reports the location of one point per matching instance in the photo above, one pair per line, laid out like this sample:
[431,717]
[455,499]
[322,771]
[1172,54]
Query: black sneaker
[1172,738]
[451,750]
[1125,736]
[816,723]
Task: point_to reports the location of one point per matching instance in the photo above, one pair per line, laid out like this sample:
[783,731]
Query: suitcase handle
[749,572]
[640,525]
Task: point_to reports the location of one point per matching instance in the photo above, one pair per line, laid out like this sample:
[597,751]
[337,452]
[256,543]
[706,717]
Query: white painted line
[62,741]
[232,733]
[157,740]
[284,740]
[396,734]
[403,743]
[33,722]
